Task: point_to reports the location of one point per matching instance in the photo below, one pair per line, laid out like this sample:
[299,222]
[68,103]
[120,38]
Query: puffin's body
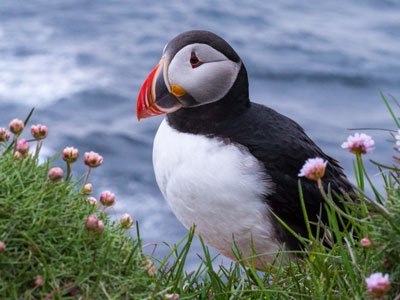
[217,185]
[223,162]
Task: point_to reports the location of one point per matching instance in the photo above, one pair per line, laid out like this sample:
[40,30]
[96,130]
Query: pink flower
[359,144]
[2,247]
[39,132]
[4,135]
[16,126]
[92,159]
[366,242]
[22,147]
[100,226]
[93,201]
[107,198]
[377,284]
[70,154]
[91,222]
[87,189]
[39,281]
[172,296]
[55,174]
[313,168]
[126,221]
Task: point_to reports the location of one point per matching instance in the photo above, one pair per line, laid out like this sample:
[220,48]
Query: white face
[207,82]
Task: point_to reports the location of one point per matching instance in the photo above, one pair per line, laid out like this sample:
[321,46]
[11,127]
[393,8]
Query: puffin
[225,164]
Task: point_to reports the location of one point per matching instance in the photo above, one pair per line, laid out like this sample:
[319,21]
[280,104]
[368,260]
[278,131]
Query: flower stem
[87,178]
[68,170]
[38,146]
[360,171]
[319,183]
[360,168]
[15,143]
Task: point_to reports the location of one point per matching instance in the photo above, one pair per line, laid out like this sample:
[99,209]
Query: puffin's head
[197,68]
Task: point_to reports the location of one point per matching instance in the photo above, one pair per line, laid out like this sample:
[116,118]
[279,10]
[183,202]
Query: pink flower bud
[75,292]
[366,242]
[378,285]
[107,198]
[149,267]
[93,201]
[313,168]
[18,156]
[4,135]
[55,174]
[23,147]
[126,221]
[39,281]
[70,154]
[100,226]
[386,263]
[172,296]
[91,222]
[397,137]
[2,247]
[92,159]
[16,126]
[39,132]
[87,189]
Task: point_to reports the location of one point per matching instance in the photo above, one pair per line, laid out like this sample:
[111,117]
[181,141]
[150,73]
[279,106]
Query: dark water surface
[81,64]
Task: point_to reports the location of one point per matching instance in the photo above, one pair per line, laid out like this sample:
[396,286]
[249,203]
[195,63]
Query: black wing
[283,147]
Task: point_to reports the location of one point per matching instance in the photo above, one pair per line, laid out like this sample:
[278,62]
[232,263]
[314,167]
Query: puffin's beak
[155,96]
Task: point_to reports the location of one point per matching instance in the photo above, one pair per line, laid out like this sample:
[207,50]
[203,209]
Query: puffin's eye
[194,60]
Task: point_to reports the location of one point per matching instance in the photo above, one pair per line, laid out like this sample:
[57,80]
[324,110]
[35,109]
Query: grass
[42,224]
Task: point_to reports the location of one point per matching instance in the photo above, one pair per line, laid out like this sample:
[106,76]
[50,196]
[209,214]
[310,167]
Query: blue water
[81,64]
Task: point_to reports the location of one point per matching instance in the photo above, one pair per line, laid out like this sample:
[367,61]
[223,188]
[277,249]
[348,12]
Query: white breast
[216,185]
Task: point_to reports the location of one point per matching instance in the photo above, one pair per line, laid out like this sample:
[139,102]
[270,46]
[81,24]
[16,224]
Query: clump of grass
[49,254]
[382,228]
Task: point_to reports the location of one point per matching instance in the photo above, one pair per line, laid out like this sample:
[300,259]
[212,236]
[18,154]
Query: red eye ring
[194,60]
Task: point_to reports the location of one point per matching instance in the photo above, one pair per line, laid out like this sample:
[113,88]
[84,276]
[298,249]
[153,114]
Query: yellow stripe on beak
[177,91]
